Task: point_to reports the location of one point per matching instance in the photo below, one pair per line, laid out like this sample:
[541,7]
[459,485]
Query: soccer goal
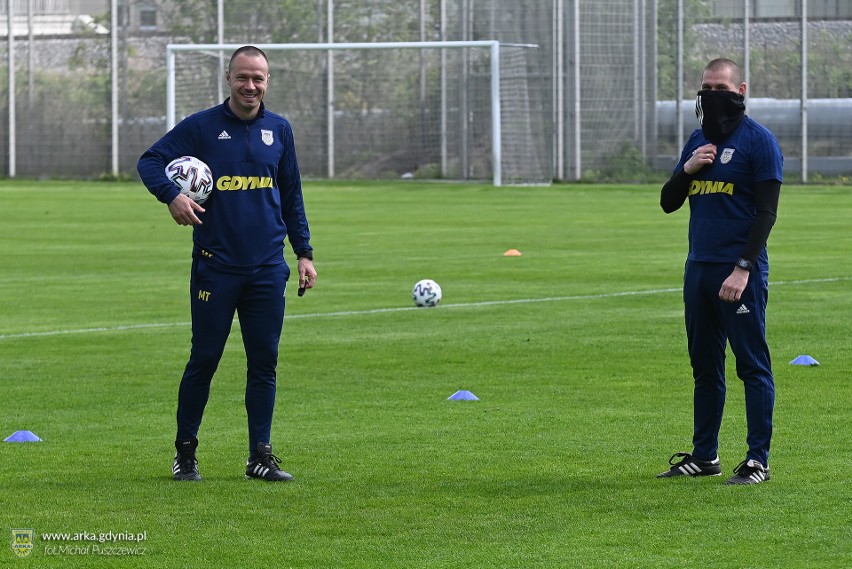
[461,110]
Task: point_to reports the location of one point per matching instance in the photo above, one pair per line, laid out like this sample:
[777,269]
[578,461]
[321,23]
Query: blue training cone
[22,437]
[804,361]
[463,396]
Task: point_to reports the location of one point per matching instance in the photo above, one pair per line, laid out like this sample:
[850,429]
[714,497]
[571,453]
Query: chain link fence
[601,89]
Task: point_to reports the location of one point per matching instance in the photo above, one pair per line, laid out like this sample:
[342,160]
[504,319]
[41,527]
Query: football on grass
[192,176]
[426,293]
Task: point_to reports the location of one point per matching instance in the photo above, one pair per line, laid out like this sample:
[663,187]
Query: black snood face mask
[719,113]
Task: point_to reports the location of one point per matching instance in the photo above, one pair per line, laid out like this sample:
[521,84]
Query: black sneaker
[265,465]
[185,466]
[749,472]
[691,466]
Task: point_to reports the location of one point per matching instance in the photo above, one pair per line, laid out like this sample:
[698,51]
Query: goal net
[435,110]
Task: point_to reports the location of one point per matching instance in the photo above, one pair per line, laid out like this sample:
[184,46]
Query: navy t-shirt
[721,194]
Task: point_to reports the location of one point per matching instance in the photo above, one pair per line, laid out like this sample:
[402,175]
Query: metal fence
[612,81]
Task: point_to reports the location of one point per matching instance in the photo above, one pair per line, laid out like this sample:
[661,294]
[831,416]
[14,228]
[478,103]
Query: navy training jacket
[257,192]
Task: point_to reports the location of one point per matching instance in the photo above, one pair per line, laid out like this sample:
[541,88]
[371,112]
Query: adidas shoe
[185,466]
[691,466]
[265,465]
[749,472]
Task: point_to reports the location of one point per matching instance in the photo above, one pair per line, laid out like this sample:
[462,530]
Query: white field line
[400,309]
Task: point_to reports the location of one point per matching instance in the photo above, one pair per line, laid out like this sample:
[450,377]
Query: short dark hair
[724,63]
[248,50]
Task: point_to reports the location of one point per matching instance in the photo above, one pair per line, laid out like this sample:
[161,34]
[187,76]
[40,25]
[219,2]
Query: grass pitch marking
[102,329]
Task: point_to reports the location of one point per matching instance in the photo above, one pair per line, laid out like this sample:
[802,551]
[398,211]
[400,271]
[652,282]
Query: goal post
[385,109]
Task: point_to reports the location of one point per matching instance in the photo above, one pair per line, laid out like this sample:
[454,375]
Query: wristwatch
[744,264]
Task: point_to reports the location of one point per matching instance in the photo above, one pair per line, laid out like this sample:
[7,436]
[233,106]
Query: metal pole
[746,46]
[679,95]
[336,46]
[10,7]
[463,89]
[330,89]
[496,129]
[643,55]
[319,22]
[422,60]
[443,91]
[114,85]
[30,61]
[643,22]
[654,80]
[637,42]
[30,71]
[804,112]
[578,155]
[559,87]
[220,33]
[170,88]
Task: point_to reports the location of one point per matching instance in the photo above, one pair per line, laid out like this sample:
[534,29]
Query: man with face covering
[730,170]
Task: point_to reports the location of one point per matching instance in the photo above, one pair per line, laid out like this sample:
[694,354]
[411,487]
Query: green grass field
[576,350]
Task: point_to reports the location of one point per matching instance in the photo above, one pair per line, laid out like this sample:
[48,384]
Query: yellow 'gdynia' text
[710,187]
[243,182]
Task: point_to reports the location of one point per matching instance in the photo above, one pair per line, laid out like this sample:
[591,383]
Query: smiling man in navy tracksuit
[238,250]
[730,171]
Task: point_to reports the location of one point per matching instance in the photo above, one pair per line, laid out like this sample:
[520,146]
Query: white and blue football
[192,176]
[426,293]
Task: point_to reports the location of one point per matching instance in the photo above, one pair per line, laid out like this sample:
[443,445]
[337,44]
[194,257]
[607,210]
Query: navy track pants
[710,324]
[258,300]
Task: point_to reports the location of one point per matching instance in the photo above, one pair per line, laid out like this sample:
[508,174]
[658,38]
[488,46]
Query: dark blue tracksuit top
[257,193]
